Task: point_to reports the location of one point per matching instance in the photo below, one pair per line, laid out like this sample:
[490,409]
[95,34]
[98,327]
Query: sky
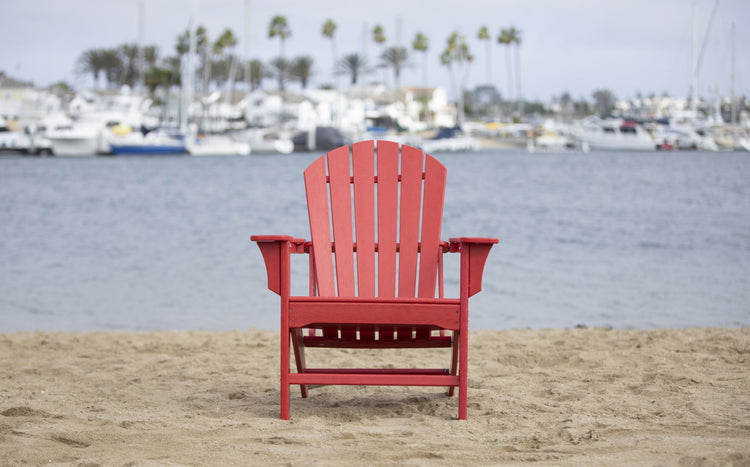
[575,46]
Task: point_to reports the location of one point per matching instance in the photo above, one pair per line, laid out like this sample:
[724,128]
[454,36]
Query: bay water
[623,240]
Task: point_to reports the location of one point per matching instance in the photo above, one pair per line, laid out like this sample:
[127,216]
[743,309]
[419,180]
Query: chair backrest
[389,210]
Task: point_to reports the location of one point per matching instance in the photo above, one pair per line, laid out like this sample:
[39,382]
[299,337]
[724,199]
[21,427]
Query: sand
[560,397]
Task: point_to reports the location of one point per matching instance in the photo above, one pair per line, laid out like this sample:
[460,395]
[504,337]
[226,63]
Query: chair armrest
[456,242]
[474,251]
[273,248]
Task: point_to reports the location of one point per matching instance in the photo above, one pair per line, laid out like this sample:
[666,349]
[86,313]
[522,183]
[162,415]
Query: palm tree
[396,57]
[258,72]
[201,44]
[484,35]
[301,69]
[353,65]
[457,58]
[421,44]
[228,41]
[129,56]
[329,29]
[515,39]
[281,69]
[111,65]
[91,62]
[279,27]
[378,35]
[504,38]
[163,77]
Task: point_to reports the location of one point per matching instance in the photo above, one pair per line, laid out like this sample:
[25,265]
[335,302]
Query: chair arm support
[474,253]
[272,247]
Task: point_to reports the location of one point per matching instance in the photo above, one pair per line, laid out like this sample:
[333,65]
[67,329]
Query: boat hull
[135,150]
[74,146]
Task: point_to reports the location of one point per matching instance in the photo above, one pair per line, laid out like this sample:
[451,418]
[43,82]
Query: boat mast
[247,44]
[733,104]
[141,52]
[694,60]
[189,74]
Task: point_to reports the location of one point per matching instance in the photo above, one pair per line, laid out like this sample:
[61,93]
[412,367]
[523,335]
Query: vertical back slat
[341,217]
[432,219]
[316,190]
[387,217]
[363,161]
[411,196]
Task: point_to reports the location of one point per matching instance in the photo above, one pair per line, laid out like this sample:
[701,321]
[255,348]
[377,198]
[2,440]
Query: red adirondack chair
[373,282]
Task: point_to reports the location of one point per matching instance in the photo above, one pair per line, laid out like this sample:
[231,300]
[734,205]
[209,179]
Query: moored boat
[613,135]
[152,143]
[217,145]
[450,140]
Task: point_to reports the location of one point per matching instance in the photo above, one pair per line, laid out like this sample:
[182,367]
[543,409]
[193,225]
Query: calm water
[621,240]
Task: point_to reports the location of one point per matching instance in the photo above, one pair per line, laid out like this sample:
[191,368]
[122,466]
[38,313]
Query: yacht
[613,135]
[160,141]
[451,140]
[216,145]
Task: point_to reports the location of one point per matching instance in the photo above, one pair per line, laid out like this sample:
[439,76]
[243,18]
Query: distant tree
[354,65]
[515,40]
[301,70]
[91,61]
[182,47]
[378,36]
[421,44]
[161,77]
[150,55]
[396,58]
[279,27]
[227,42]
[566,103]
[60,88]
[258,72]
[457,58]
[505,39]
[511,39]
[112,66]
[281,69]
[130,57]
[604,101]
[329,30]
[484,35]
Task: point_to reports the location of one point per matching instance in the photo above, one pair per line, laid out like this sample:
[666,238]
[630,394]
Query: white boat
[684,137]
[613,135]
[554,137]
[451,140]
[79,139]
[742,144]
[217,145]
[264,140]
[93,118]
[152,143]
[26,141]
[12,140]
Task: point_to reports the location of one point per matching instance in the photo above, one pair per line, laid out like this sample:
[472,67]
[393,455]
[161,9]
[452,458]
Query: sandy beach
[558,396]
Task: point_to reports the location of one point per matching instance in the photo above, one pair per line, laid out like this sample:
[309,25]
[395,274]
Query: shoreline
[563,396]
